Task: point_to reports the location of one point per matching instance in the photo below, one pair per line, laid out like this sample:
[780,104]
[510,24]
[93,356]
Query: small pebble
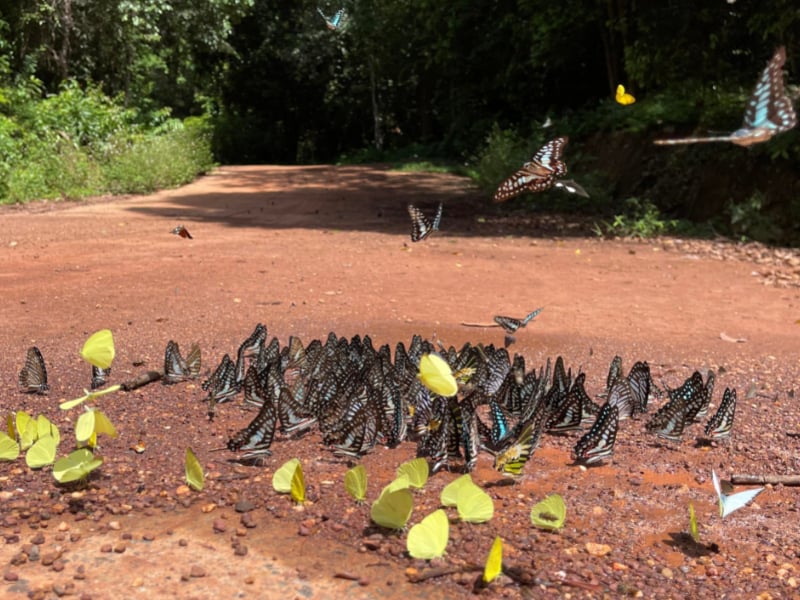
[10,576]
[220,526]
[244,506]
[197,571]
[106,548]
[120,548]
[183,543]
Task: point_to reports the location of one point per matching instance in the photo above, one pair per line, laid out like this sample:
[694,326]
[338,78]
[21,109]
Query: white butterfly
[728,504]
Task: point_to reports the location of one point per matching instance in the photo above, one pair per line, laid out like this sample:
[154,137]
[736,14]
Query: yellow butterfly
[92,423]
[98,350]
[494,562]
[88,397]
[428,538]
[624,97]
[393,508]
[76,466]
[42,453]
[194,471]
[436,375]
[9,449]
[355,482]
[416,470]
[550,513]
[693,531]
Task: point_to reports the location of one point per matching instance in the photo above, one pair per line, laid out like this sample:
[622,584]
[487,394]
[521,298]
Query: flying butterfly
[510,324]
[33,376]
[77,465]
[623,97]
[598,443]
[769,110]
[337,21]
[720,425]
[421,226]
[539,174]
[182,231]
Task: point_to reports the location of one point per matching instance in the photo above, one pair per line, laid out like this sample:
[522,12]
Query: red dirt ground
[307,250]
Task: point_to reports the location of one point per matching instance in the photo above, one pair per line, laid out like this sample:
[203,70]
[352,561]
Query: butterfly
[550,513]
[428,538]
[256,438]
[719,426]
[355,482]
[99,376]
[77,465]
[510,324]
[182,231]
[421,227]
[510,461]
[669,421]
[571,186]
[473,504]
[732,502]
[598,443]
[33,376]
[436,375]
[194,471]
[538,174]
[769,110]
[337,21]
[623,97]
[176,368]
[393,507]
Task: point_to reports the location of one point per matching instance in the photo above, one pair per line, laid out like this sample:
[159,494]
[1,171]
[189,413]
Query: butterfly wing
[509,324]
[721,424]
[769,106]
[598,443]
[428,538]
[622,97]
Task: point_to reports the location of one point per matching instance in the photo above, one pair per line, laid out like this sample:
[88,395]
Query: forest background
[125,96]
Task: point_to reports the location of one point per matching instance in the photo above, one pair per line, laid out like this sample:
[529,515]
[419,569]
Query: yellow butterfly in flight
[624,97]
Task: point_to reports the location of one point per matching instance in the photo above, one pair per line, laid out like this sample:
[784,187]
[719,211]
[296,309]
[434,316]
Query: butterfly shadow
[505,482]
[685,543]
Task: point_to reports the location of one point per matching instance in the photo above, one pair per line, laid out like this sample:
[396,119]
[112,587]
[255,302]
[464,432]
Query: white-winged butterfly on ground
[732,502]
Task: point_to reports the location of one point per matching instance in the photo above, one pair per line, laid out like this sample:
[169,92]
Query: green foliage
[503,153]
[80,142]
[749,220]
[641,219]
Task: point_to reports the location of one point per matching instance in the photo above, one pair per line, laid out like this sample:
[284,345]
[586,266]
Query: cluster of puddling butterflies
[769,112]
[359,396]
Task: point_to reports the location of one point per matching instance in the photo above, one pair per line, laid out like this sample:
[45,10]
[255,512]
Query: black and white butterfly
[33,376]
[256,438]
[540,173]
[769,110]
[720,425]
[510,324]
[337,21]
[99,376]
[598,443]
[176,368]
[421,227]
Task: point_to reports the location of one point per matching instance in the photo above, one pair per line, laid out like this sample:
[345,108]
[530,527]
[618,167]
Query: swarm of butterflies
[358,396]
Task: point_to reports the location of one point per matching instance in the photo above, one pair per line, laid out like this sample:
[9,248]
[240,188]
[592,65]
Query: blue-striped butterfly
[538,174]
[769,110]
[337,21]
[182,231]
[421,227]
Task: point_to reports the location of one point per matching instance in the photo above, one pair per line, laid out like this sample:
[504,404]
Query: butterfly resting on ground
[182,231]
[33,376]
[769,110]
[421,227]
